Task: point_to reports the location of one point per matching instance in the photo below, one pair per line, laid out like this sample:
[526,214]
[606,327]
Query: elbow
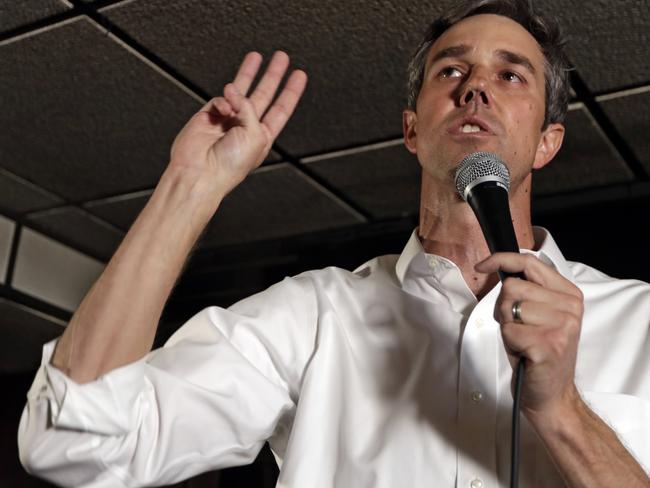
[32,443]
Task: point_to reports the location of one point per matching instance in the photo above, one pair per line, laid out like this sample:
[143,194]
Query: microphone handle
[489,201]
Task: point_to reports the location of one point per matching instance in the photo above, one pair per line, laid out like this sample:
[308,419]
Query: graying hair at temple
[544,29]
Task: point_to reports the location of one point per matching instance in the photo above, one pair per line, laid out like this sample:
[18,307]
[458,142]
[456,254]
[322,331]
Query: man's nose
[475,89]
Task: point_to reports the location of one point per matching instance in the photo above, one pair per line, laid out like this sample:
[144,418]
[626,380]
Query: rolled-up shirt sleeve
[208,399]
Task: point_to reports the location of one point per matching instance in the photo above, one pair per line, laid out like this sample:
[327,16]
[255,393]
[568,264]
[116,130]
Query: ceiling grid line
[320,183]
[18,33]
[606,126]
[13,253]
[30,28]
[34,303]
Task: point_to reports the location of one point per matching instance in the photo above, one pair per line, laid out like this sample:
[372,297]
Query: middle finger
[265,90]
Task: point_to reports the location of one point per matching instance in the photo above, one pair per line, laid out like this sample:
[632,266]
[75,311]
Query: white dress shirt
[391,376]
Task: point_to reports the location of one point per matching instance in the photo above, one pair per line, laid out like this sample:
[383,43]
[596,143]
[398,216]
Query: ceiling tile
[24,331]
[7,230]
[383,180]
[53,272]
[586,159]
[120,211]
[275,202]
[110,118]
[273,157]
[78,229]
[19,196]
[16,14]
[630,116]
[608,41]
[354,52]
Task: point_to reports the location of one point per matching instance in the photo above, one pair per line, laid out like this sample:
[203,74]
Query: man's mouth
[472,125]
[470,128]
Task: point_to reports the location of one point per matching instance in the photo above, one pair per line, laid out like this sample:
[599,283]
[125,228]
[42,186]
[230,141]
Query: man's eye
[450,72]
[511,77]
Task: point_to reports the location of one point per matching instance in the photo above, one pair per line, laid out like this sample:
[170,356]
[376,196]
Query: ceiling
[93,94]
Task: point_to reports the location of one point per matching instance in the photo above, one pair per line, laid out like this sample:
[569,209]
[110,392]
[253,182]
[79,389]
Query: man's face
[483,90]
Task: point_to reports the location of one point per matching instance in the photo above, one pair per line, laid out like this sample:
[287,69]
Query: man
[395,375]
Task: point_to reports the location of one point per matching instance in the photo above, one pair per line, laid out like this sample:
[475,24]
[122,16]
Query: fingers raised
[279,113]
[249,110]
[265,90]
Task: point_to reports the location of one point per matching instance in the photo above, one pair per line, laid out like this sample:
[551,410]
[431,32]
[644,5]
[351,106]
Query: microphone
[483,181]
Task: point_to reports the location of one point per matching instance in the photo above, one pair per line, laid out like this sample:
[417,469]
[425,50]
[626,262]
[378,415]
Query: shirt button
[433,261]
[476,483]
[479,322]
[477,397]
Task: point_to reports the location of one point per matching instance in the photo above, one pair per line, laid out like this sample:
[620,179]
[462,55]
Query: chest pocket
[629,416]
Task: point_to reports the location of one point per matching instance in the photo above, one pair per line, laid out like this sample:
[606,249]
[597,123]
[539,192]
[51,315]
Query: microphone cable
[516,407]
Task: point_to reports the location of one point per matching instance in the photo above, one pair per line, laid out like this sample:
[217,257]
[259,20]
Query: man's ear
[549,145]
[409,128]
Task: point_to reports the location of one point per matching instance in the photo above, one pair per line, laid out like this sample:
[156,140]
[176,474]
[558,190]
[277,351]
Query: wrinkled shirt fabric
[393,375]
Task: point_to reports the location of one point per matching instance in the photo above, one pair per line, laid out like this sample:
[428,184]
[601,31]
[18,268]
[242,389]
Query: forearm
[116,322]
[586,450]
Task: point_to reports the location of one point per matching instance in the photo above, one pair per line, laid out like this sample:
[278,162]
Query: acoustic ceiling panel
[354,52]
[7,230]
[383,179]
[120,211]
[272,203]
[88,118]
[586,159]
[79,229]
[24,331]
[608,41]
[630,116]
[19,196]
[52,272]
[273,157]
[15,14]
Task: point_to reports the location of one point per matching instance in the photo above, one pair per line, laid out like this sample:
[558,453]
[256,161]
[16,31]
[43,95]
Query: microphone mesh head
[478,167]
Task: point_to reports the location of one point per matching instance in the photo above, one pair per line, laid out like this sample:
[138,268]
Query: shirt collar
[548,252]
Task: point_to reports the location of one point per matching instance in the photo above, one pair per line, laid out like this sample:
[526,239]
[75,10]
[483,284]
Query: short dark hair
[545,30]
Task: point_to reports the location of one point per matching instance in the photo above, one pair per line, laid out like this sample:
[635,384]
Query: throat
[480,284]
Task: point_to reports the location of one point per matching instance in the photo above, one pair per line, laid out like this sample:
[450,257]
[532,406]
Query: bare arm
[228,138]
[586,451]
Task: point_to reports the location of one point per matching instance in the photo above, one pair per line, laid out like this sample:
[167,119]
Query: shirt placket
[477,398]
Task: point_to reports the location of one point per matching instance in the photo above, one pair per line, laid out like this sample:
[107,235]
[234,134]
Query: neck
[449,228]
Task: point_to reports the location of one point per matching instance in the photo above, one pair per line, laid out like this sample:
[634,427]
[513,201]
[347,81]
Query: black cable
[514,441]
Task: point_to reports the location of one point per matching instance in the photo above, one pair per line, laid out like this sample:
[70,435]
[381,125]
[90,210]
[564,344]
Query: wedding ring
[516,312]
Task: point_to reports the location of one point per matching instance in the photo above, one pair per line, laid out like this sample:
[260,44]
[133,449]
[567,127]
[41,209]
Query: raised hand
[231,135]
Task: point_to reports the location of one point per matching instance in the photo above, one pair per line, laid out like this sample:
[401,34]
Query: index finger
[533,268]
[247,72]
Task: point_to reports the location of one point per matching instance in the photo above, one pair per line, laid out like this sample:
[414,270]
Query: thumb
[241,105]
